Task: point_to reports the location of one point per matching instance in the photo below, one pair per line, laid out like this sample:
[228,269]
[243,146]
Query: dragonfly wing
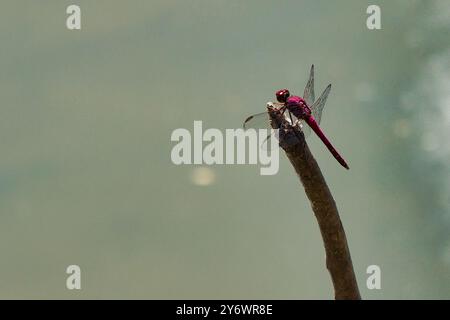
[267,143]
[318,106]
[308,94]
[305,128]
[258,121]
[301,124]
[261,121]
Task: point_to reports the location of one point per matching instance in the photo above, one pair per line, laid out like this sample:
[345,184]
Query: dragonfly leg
[290,116]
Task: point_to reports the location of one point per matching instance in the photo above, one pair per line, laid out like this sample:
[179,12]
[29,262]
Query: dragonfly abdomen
[315,127]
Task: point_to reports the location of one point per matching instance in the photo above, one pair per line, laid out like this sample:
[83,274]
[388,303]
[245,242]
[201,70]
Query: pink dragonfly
[299,111]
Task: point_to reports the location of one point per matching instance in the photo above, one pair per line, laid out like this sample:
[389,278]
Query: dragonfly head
[282,95]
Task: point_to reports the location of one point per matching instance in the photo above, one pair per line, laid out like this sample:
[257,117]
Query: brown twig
[338,260]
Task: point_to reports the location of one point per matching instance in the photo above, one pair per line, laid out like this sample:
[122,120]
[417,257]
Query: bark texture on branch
[338,260]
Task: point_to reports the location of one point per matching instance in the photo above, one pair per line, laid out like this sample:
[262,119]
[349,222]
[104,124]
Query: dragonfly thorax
[297,106]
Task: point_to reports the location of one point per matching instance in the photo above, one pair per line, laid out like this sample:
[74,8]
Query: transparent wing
[301,124]
[305,128]
[318,106]
[267,143]
[260,121]
[308,94]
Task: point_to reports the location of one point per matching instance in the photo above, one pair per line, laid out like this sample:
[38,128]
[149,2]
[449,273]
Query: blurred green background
[85,170]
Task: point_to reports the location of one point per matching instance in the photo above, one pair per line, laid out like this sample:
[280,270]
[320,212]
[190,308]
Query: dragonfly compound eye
[282,95]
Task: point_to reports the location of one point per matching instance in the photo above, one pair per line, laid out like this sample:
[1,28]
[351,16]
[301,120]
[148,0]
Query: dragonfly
[305,113]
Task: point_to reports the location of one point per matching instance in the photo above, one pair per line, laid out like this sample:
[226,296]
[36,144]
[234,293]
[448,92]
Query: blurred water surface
[85,125]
